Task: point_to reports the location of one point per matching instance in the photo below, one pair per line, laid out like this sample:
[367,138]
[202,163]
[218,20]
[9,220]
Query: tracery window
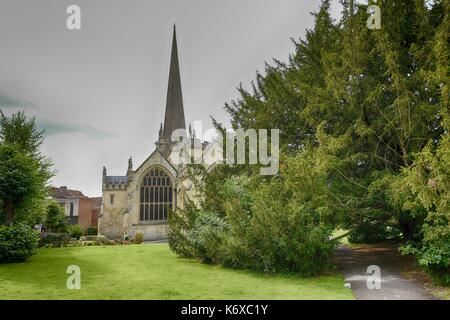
[156,196]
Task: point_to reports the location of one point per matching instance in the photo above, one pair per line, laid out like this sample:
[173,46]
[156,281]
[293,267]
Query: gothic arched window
[156,196]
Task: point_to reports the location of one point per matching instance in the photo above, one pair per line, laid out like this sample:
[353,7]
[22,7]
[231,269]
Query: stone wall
[112,214]
[151,232]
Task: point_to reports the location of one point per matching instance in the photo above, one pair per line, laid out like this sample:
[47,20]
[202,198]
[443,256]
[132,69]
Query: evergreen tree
[55,220]
[24,171]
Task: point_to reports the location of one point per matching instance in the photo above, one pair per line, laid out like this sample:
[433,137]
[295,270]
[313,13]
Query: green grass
[151,272]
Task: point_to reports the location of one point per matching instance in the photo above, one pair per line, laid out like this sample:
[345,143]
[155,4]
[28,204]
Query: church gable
[155,159]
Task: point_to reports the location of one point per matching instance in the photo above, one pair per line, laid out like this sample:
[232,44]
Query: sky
[100,92]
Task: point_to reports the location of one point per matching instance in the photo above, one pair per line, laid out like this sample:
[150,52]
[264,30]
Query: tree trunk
[408,229]
[9,213]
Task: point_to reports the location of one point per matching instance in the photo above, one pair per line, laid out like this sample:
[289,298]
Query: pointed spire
[104,173]
[174,117]
[160,131]
[130,164]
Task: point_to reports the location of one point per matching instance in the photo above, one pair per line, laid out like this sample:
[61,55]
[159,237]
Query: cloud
[53,128]
[49,126]
[7,101]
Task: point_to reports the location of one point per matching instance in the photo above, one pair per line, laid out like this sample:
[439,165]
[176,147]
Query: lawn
[151,272]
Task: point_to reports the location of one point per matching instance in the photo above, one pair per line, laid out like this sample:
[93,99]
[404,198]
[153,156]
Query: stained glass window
[156,196]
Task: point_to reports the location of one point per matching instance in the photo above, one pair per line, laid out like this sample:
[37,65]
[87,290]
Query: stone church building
[139,201]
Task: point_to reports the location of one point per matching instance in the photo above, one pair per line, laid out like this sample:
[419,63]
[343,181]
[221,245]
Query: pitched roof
[64,193]
[115,179]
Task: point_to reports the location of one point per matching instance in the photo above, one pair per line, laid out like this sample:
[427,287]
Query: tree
[369,110]
[55,220]
[24,171]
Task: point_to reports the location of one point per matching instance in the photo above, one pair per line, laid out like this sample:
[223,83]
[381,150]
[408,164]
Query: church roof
[174,116]
[115,179]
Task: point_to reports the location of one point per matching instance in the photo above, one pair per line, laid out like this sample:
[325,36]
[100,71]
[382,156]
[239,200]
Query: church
[140,201]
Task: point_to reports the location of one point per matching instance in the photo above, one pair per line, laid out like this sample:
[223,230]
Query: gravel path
[353,263]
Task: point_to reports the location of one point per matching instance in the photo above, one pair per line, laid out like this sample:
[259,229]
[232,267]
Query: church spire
[174,117]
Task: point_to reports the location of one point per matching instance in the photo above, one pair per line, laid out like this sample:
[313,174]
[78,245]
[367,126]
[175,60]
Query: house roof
[64,193]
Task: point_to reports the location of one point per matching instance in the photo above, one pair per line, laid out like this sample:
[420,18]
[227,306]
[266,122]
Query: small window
[111,199]
[71,209]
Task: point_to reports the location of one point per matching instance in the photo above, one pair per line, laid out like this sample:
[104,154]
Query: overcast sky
[100,91]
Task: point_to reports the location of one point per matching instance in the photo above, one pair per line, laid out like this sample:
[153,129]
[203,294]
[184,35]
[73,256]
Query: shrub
[51,239]
[207,237]
[75,231]
[181,221]
[17,243]
[55,220]
[91,231]
[138,238]
[269,226]
[283,233]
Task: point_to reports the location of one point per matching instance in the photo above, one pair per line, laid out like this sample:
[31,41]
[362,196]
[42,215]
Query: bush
[17,243]
[91,231]
[207,237]
[272,226]
[281,234]
[75,231]
[55,220]
[51,239]
[434,257]
[180,222]
[138,238]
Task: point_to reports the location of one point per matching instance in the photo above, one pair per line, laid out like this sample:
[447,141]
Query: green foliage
[180,222]
[24,171]
[17,243]
[370,232]
[427,184]
[207,238]
[371,107]
[55,220]
[75,230]
[269,226]
[51,239]
[91,231]
[21,180]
